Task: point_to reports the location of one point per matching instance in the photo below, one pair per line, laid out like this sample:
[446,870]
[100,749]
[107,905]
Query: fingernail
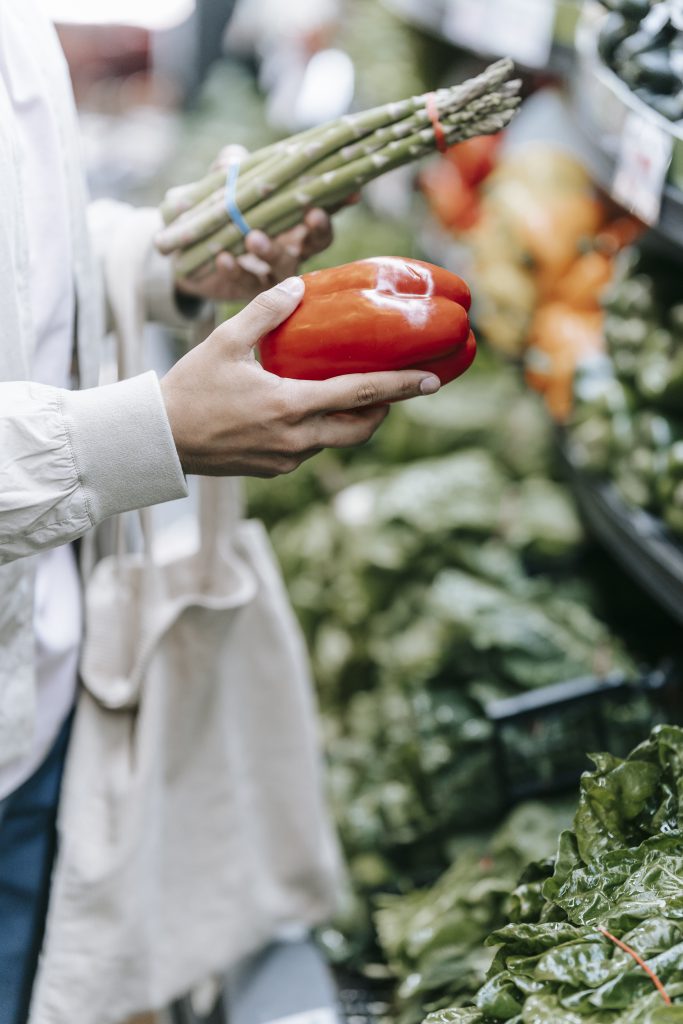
[292,285]
[430,385]
[260,244]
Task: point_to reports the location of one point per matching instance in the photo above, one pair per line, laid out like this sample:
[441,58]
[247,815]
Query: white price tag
[645,152]
[521,29]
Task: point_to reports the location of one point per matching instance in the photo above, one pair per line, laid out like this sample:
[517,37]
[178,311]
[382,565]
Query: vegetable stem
[641,963]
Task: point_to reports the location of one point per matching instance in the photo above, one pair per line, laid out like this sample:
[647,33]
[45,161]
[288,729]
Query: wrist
[174,422]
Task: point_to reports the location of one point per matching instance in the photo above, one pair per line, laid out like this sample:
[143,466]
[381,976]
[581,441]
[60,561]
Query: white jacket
[68,460]
[177,861]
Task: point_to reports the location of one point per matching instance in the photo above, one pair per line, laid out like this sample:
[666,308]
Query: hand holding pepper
[230,417]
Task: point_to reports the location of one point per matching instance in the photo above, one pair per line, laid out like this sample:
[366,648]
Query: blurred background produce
[628,420]
[642,42]
[426,591]
[447,565]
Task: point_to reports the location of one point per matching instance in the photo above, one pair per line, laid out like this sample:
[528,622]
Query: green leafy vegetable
[423,592]
[618,870]
[433,938]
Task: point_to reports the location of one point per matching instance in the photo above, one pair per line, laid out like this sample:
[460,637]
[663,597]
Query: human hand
[267,261]
[230,417]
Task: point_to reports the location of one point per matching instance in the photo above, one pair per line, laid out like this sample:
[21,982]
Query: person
[73,453]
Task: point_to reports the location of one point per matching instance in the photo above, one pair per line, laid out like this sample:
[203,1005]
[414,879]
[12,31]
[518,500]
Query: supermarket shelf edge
[601,102]
[636,539]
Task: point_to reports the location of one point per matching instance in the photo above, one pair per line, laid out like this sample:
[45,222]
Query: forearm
[68,460]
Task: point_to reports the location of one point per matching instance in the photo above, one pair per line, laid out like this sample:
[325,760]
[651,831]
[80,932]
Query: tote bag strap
[124,269]
[124,262]
[221,506]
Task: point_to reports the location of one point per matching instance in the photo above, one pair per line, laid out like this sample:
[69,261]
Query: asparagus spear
[351,126]
[479,107]
[274,173]
[287,206]
[304,146]
[269,169]
[324,165]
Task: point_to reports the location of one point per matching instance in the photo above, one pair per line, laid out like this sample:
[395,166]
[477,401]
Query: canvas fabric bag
[192,827]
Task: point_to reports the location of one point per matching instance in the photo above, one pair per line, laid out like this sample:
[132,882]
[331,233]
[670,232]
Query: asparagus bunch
[326,164]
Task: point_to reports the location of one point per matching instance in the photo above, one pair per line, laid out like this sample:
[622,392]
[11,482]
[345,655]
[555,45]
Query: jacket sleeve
[110,221]
[69,459]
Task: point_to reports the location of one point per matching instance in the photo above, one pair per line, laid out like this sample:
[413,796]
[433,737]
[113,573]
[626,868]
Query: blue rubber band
[231,206]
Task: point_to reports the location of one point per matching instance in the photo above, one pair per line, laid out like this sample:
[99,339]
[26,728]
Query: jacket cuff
[123,447]
[163,303]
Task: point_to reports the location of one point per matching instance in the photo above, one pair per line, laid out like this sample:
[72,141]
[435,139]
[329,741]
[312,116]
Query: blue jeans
[27,850]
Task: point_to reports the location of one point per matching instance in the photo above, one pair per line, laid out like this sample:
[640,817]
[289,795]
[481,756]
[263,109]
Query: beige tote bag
[192,827]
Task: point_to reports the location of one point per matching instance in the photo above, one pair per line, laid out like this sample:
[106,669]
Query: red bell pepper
[385,313]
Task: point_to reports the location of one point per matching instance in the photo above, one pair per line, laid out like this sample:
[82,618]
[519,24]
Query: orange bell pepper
[559,339]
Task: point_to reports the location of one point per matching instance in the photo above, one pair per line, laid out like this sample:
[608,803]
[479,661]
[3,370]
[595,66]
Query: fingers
[289,248]
[343,430]
[291,243]
[229,278]
[258,243]
[266,260]
[227,267]
[218,280]
[259,269]
[335,430]
[360,390]
[283,250]
[263,314]
[319,233]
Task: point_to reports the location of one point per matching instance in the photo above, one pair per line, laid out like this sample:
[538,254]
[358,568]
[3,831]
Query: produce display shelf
[602,103]
[442,18]
[637,540]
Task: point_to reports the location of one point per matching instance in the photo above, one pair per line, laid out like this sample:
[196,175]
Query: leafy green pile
[486,410]
[619,869]
[433,939]
[362,567]
[407,753]
[424,589]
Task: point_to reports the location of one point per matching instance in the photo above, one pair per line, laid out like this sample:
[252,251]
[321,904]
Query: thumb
[267,311]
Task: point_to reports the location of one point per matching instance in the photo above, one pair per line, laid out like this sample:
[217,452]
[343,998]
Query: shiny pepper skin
[385,313]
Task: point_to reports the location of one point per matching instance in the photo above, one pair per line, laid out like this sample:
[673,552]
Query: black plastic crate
[542,738]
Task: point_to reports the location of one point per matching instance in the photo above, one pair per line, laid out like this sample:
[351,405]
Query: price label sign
[645,153]
[521,29]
